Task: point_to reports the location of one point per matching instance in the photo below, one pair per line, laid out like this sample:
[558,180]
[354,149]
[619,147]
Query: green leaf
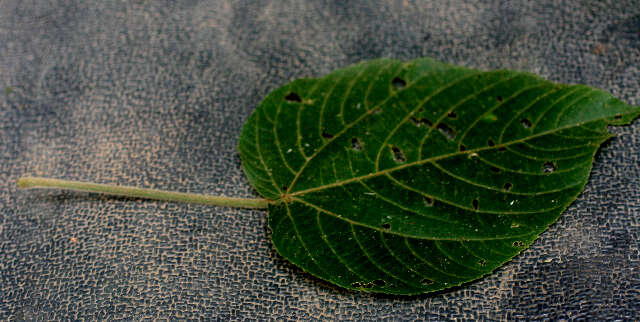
[411,177]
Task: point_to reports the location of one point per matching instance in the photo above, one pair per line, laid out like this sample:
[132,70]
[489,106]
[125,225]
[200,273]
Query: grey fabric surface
[153,94]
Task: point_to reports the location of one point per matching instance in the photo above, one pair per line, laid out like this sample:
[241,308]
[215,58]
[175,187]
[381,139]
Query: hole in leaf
[355,144]
[293,97]
[495,169]
[452,115]
[548,167]
[327,135]
[421,121]
[284,188]
[518,244]
[386,226]
[508,186]
[446,131]
[398,83]
[525,123]
[618,117]
[397,154]
[428,201]
[356,284]
[462,148]
[502,149]
[474,203]
[491,143]
[426,281]
[482,262]
[499,98]
[379,282]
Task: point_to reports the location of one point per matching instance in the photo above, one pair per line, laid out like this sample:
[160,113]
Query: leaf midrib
[308,159]
[396,233]
[440,157]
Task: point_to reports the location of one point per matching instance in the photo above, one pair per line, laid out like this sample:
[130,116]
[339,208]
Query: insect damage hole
[386,226]
[420,122]
[356,284]
[356,145]
[428,201]
[327,135]
[398,156]
[398,83]
[499,98]
[548,167]
[482,262]
[525,123]
[452,115]
[447,131]
[507,186]
[379,282]
[495,169]
[491,143]
[475,203]
[518,244]
[426,281]
[293,97]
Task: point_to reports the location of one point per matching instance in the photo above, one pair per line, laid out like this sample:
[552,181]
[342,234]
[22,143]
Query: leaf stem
[133,192]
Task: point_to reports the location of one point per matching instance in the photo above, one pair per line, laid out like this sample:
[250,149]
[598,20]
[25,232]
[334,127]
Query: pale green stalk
[133,192]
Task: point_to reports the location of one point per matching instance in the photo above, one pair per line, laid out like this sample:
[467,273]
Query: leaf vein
[378,195]
[277,139]
[447,255]
[302,201]
[347,127]
[374,262]
[422,103]
[500,189]
[467,208]
[264,165]
[424,260]
[326,241]
[495,107]
[525,109]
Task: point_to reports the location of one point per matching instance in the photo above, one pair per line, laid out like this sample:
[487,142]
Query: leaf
[411,177]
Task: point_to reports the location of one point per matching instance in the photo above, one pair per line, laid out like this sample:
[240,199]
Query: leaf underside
[412,177]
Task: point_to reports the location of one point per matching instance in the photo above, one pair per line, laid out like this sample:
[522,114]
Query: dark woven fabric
[153,94]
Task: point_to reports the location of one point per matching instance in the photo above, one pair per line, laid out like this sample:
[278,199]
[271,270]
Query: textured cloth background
[154,93]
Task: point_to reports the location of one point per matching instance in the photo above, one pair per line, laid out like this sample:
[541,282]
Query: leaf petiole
[133,192]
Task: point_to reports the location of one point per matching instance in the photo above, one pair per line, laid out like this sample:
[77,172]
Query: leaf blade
[410,177]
